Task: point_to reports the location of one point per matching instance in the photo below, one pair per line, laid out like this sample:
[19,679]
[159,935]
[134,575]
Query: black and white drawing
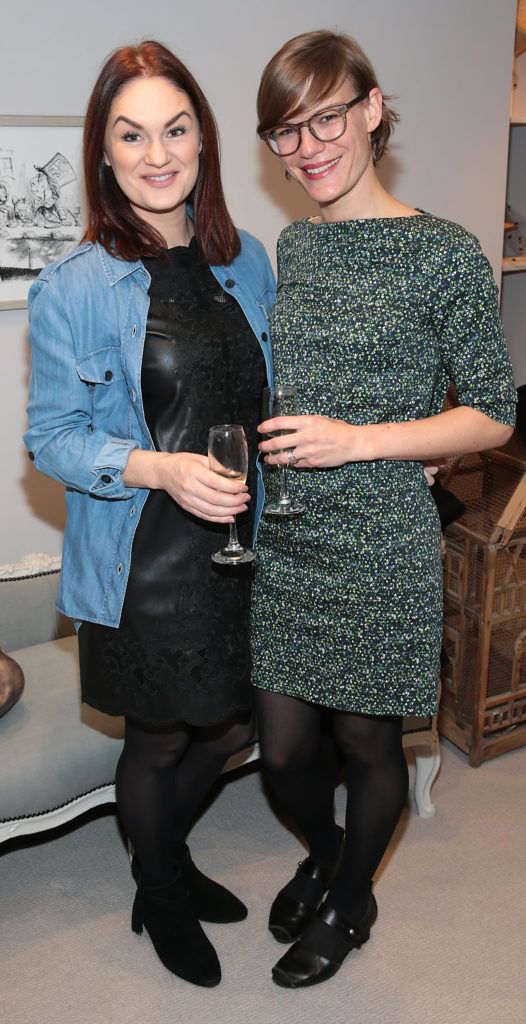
[40,199]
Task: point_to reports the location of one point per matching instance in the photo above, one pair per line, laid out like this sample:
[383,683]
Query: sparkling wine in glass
[228,456]
[280,400]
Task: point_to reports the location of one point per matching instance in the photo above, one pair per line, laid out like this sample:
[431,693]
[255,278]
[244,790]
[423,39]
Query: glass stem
[283,493]
[233,542]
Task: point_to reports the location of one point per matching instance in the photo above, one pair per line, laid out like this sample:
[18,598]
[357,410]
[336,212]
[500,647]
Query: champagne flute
[280,400]
[228,456]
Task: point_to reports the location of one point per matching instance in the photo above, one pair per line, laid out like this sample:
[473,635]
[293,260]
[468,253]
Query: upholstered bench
[57,756]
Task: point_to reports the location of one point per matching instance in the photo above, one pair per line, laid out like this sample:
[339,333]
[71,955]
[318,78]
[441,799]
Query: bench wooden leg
[427,761]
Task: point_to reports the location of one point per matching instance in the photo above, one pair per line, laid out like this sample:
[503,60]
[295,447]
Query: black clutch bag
[449,507]
[521,412]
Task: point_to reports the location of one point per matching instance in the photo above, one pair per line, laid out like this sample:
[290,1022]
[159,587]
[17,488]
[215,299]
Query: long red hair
[111,219]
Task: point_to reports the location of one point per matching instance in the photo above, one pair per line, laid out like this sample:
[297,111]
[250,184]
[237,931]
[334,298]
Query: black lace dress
[181,651]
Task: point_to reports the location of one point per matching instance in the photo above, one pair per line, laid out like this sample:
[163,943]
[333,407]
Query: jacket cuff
[108,467]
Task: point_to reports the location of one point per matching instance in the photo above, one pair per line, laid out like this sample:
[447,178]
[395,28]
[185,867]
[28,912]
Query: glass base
[284,508]
[226,557]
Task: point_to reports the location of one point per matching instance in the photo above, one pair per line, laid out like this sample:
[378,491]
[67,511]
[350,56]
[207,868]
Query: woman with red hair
[146,335]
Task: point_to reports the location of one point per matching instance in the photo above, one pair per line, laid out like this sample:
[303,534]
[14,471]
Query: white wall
[514,285]
[449,64]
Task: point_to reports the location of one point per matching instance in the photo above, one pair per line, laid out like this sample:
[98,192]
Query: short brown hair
[306,70]
[112,221]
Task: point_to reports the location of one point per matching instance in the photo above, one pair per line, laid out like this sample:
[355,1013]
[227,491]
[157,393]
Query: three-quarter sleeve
[473,350]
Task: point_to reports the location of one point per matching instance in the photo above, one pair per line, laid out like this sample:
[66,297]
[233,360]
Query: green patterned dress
[372,321]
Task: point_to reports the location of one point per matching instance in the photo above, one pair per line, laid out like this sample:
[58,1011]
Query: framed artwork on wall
[41,198]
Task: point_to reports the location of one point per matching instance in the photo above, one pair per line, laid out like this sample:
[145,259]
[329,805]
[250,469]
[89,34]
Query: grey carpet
[449,945]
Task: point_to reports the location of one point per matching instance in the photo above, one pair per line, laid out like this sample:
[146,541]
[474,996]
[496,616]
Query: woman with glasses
[380,306]
[145,336]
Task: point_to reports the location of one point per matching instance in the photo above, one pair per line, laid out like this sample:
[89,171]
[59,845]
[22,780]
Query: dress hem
[162,722]
[353,709]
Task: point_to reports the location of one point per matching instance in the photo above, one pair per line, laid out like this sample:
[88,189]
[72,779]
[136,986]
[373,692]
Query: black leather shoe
[211,901]
[296,903]
[322,948]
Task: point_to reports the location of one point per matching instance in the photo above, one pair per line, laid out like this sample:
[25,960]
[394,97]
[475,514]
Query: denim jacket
[87,327]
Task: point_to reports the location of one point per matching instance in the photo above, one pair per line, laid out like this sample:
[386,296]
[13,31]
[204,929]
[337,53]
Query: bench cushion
[27,610]
[52,747]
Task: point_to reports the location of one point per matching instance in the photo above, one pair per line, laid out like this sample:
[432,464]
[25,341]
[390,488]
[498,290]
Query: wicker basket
[483,701]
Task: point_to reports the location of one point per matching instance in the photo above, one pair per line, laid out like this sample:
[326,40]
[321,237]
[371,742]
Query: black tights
[301,775]
[162,776]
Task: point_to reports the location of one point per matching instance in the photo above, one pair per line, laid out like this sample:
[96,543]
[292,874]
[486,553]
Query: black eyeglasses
[326,126]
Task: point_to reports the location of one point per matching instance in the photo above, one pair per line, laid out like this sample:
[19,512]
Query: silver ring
[291,458]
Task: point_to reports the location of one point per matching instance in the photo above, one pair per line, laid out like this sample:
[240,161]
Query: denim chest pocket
[101,367]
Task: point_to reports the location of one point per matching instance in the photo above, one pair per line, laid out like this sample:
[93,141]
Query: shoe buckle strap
[350,935]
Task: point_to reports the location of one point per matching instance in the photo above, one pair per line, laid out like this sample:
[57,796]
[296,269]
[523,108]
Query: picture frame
[41,198]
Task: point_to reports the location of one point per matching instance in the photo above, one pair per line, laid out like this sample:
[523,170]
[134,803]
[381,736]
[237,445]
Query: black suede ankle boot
[167,913]
[210,900]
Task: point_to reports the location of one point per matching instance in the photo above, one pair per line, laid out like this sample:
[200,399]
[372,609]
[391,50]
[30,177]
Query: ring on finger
[291,458]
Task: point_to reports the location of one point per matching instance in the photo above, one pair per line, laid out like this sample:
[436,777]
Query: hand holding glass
[228,456]
[280,400]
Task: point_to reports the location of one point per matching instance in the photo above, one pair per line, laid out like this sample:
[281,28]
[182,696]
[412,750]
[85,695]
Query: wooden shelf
[513,264]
